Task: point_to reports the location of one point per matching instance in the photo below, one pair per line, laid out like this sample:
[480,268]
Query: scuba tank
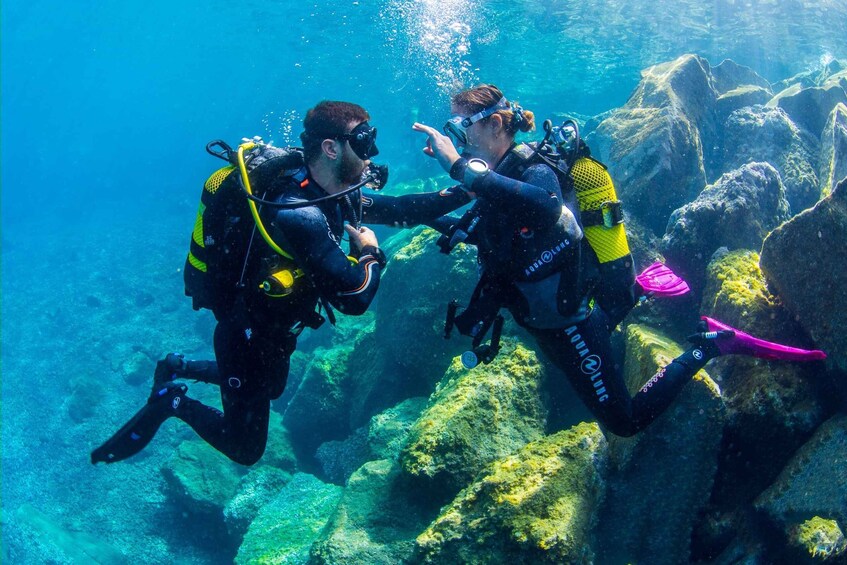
[602,218]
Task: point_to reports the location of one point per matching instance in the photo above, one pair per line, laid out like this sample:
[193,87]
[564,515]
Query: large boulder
[383,438]
[736,212]
[813,484]
[319,409]
[375,522]
[803,261]
[834,150]
[413,297]
[286,527]
[729,75]
[810,107]
[258,487]
[654,144]
[201,480]
[660,478]
[762,134]
[536,506]
[738,86]
[476,417]
[772,406]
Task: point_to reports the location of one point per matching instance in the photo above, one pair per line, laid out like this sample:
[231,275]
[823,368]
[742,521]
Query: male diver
[258,324]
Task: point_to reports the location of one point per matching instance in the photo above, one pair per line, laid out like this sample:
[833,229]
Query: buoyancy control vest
[216,268]
[589,192]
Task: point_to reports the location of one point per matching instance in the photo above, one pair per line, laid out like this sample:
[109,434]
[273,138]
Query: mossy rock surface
[536,506]
[475,417]
[803,261]
[375,522]
[820,539]
[286,527]
[201,478]
[662,477]
[814,482]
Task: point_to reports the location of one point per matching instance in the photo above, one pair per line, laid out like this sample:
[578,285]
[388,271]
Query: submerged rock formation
[474,418]
[803,261]
[536,506]
[736,212]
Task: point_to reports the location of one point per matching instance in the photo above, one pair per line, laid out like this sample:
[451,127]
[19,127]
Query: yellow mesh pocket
[196,263]
[197,235]
[593,187]
[218,177]
[593,184]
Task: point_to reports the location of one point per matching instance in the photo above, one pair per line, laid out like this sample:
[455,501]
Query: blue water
[106,108]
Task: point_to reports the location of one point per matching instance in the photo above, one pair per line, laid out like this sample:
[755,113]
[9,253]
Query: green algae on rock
[475,417]
[374,522]
[200,478]
[660,478]
[821,538]
[286,527]
[536,506]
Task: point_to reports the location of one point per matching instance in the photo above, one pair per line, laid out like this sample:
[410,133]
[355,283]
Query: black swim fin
[137,433]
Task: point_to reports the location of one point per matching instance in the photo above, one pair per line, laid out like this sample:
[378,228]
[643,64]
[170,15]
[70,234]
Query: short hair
[484,96]
[327,120]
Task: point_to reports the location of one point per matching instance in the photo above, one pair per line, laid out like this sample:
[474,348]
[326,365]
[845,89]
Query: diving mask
[456,127]
[362,141]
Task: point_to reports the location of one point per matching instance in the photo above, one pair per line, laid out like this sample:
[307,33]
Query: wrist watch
[377,253]
[477,168]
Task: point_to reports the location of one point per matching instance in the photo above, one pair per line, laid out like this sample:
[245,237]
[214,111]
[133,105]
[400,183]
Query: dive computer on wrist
[477,168]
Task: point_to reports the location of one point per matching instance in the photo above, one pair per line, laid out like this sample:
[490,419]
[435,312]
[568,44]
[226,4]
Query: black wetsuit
[255,338]
[534,257]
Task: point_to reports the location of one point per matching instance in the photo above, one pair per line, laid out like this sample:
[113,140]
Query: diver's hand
[361,237]
[438,146]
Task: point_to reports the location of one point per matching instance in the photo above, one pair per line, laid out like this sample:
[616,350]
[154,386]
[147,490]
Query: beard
[350,169]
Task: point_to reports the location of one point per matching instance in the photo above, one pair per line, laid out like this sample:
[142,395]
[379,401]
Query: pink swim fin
[659,280]
[730,340]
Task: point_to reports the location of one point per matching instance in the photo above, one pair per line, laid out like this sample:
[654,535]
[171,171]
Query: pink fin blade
[659,280]
[745,344]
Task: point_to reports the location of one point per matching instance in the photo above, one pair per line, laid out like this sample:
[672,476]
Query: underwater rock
[729,75]
[803,261]
[258,487]
[382,438]
[536,506]
[319,409]
[834,150]
[813,484]
[286,527]
[338,459]
[85,399]
[653,145]
[34,537]
[413,297]
[374,521]
[736,293]
[279,451]
[772,407]
[819,539]
[832,70]
[474,417]
[662,477]
[741,97]
[810,107]
[201,479]
[737,211]
[136,369]
[761,134]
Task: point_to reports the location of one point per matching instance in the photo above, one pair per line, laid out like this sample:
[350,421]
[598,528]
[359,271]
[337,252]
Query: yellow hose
[255,211]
